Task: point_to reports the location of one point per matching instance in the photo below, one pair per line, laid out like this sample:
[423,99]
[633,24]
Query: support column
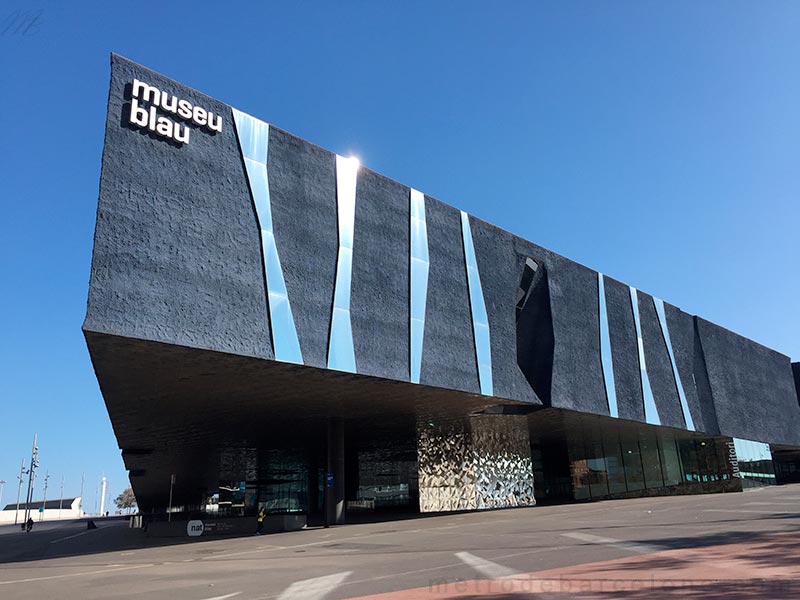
[335,490]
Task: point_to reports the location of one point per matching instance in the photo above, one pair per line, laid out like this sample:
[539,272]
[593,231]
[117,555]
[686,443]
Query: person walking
[260,520]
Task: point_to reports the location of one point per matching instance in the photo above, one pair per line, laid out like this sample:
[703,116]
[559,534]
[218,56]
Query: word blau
[149,117]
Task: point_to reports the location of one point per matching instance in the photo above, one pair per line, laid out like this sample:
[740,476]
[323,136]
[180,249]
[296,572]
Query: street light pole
[31,477]
[61,498]
[2,483]
[80,506]
[44,499]
[21,478]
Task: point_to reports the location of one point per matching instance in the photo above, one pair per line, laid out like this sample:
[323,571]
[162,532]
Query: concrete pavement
[718,546]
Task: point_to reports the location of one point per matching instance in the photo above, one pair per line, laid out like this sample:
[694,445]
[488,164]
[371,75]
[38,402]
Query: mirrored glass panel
[480,320]
[650,410]
[253,138]
[605,349]
[420,265]
[662,319]
[341,354]
[755,463]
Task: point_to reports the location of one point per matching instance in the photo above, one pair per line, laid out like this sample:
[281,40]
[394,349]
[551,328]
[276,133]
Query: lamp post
[21,478]
[44,499]
[61,498]
[31,478]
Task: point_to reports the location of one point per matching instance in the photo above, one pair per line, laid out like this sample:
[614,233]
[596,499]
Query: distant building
[68,508]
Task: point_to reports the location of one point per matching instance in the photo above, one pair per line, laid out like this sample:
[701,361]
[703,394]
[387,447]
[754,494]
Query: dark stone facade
[177,260]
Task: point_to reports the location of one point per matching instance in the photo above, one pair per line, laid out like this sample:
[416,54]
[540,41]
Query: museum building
[273,325]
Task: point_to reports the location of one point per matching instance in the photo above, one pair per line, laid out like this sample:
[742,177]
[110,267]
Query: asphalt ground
[744,545]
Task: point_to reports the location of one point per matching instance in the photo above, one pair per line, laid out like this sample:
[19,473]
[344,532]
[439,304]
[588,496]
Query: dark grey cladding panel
[681,333]
[796,372]
[752,386]
[302,187]
[577,382]
[379,305]
[624,350]
[704,395]
[500,269]
[659,366]
[448,349]
[177,254]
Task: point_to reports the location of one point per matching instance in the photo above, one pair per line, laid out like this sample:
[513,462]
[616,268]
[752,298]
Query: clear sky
[658,142]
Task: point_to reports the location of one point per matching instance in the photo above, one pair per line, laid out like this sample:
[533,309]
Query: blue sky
[657,142]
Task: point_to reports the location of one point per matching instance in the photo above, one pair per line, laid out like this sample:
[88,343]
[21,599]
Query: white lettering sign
[148,104]
[733,459]
[194,528]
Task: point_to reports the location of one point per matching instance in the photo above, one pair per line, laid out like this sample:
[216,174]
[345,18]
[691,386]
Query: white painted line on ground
[69,537]
[597,539]
[75,574]
[765,511]
[314,589]
[224,597]
[487,568]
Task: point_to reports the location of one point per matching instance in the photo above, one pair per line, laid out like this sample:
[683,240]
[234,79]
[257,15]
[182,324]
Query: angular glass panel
[286,343]
[344,274]
[253,138]
[417,329]
[662,319]
[341,354]
[650,410]
[526,283]
[605,349]
[419,240]
[419,288]
[480,320]
[418,292]
[259,188]
[346,175]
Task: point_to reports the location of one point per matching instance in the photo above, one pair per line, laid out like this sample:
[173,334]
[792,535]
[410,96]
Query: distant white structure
[103,486]
[67,508]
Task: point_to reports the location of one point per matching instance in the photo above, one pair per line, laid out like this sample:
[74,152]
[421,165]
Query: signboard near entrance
[194,528]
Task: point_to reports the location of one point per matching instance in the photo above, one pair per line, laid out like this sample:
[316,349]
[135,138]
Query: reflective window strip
[418,292]
[605,349]
[253,138]
[650,410]
[341,355]
[662,319]
[480,321]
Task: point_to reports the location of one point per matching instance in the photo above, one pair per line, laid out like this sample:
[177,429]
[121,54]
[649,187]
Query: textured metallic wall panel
[501,452]
[446,469]
[479,462]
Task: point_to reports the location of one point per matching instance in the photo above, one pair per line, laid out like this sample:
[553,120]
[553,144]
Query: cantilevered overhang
[173,408]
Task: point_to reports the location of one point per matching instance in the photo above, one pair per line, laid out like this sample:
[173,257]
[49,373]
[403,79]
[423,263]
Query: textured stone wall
[177,259]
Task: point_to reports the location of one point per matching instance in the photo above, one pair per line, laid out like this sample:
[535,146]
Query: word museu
[279,327]
[147,99]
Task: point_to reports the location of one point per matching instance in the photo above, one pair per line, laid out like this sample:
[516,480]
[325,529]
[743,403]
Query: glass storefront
[607,460]
[754,463]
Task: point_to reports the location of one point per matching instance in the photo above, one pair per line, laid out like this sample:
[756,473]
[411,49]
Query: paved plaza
[743,545]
